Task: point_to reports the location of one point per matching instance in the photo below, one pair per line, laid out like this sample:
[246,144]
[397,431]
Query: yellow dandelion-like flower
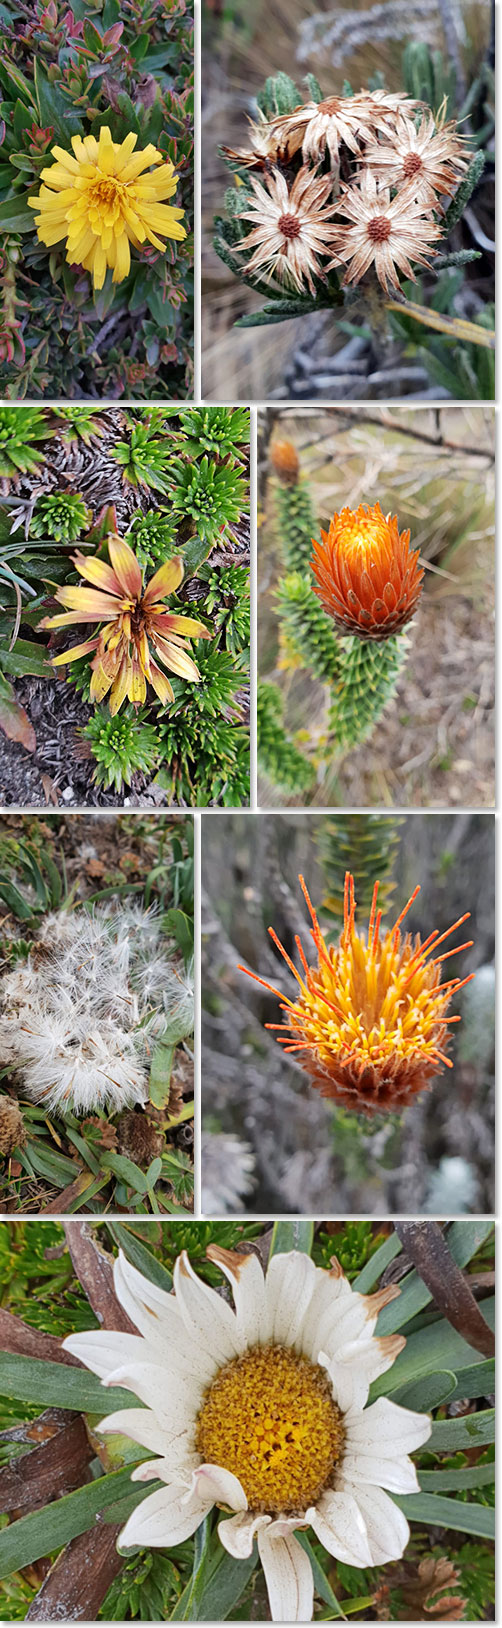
[101,200]
[370,1021]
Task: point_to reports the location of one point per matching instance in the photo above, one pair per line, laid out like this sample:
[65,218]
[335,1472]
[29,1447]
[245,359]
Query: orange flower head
[369,1023]
[137,626]
[367,579]
[285,461]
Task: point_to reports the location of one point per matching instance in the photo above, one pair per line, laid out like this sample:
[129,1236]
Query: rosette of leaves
[75,1509]
[153,536]
[131,69]
[62,516]
[122,746]
[213,495]
[145,458]
[222,432]
[20,430]
[204,745]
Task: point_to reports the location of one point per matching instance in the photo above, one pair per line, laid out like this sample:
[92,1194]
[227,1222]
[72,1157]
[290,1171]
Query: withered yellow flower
[369,1024]
[101,200]
[367,578]
[135,619]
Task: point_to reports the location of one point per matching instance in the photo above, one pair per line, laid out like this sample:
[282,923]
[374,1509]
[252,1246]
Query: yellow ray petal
[73,654]
[126,567]
[165,581]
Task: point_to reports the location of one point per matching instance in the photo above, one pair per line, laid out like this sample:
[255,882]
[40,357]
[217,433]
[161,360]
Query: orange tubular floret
[367,1039]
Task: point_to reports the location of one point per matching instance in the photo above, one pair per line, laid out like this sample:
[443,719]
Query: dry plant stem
[77,1583]
[95,1271]
[426,1247]
[20,1340]
[58,1465]
[384,421]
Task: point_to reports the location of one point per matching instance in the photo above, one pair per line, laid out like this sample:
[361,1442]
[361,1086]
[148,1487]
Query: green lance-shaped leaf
[365,845]
[448,1512]
[367,680]
[279,95]
[306,626]
[288,1235]
[465,191]
[35,1535]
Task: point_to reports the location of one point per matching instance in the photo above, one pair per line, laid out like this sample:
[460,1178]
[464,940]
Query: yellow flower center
[104,202]
[270,1418]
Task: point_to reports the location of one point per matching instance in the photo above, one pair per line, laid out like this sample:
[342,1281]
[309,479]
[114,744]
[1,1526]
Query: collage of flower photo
[248,812]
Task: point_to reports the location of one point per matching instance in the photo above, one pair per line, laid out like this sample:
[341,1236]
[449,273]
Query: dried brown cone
[139,1138]
[285,461]
[12,1129]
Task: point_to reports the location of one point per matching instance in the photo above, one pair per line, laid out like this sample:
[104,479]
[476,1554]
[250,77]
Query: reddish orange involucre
[369,1023]
[367,578]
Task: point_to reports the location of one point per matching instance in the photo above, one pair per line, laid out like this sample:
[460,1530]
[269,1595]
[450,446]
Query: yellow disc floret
[270,1418]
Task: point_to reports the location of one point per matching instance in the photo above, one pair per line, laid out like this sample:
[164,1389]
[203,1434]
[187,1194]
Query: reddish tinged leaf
[13,719]
[77,1583]
[427,1247]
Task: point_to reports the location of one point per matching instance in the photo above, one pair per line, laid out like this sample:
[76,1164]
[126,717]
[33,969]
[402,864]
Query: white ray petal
[141,1425]
[338,1523]
[288,1575]
[237,1534]
[397,1474]
[388,1427]
[164,1519]
[207,1318]
[174,1400]
[102,1350]
[221,1486]
[387,1527]
[290,1285]
[245,1274]
[158,1318]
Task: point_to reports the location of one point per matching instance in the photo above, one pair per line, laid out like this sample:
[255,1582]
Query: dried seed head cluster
[79,1015]
[103,197]
[136,622]
[358,181]
[369,1025]
[367,578]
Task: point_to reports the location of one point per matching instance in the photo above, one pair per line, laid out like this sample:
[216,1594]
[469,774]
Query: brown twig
[426,1246]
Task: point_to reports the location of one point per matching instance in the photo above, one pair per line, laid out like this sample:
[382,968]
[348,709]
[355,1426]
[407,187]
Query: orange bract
[367,579]
[135,620]
[369,1024]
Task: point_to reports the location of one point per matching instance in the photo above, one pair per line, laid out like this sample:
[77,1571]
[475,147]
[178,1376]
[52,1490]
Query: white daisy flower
[262,1412]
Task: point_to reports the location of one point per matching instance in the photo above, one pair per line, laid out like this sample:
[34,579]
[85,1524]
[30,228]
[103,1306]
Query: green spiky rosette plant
[146,507]
[160,1537]
[96,200]
[352,203]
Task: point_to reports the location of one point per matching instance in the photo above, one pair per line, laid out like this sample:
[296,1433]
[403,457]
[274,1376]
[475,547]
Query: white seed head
[76,1015]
